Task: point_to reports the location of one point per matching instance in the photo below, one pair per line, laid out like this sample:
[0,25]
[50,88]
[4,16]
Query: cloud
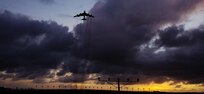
[183,53]
[117,42]
[174,36]
[73,78]
[121,30]
[182,58]
[30,48]
[112,43]
[178,86]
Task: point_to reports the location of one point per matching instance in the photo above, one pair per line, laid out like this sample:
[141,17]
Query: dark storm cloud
[113,38]
[74,78]
[30,47]
[109,45]
[174,36]
[184,53]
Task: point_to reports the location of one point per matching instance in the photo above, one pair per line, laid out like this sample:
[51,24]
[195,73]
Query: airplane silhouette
[84,15]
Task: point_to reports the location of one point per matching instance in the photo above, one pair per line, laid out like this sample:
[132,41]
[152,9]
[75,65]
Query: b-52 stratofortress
[84,15]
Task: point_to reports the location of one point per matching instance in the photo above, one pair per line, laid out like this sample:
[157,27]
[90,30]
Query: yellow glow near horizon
[165,87]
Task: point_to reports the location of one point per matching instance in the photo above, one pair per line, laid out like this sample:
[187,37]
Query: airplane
[84,15]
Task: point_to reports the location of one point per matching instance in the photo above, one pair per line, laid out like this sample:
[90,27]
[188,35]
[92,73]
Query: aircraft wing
[84,14]
[78,15]
[89,15]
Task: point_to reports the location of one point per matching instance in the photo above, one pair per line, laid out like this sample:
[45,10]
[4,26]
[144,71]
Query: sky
[159,42]
[61,11]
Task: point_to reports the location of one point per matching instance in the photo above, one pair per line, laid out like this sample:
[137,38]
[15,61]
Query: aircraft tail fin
[83,19]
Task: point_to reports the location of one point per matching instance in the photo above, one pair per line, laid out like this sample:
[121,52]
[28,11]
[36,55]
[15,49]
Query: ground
[32,91]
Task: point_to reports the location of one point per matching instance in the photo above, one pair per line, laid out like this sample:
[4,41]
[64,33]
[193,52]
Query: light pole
[118,82]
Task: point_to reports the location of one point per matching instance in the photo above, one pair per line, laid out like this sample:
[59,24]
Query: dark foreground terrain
[32,91]
[77,92]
